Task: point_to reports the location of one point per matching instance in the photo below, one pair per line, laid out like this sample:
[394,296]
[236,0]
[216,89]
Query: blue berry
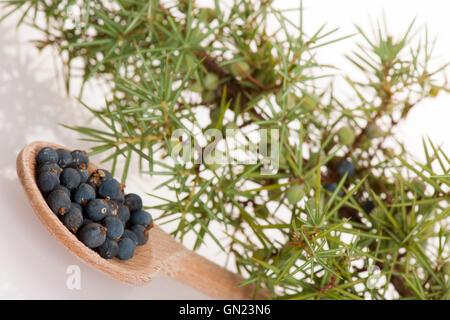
[70,178]
[84,175]
[121,196]
[64,158]
[99,176]
[86,221]
[109,249]
[103,174]
[133,202]
[123,213]
[59,202]
[126,249]
[368,206]
[114,227]
[97,209]
[50,167]
[332,186]
[73,219]
[113,208]
[77,205]
[345,166]
[141,233]
[93,235]
[47,154]
[83,194]
[47,181]
[109,189]
[80,159]
[127,233]
[64,189]
[108,175]
[141,217]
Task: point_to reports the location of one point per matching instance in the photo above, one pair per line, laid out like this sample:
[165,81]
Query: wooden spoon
[160,256]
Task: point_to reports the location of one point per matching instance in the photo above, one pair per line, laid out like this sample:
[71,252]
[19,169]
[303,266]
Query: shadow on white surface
[32,264]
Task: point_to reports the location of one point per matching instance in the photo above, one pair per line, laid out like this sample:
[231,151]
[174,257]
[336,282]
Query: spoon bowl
[160,256]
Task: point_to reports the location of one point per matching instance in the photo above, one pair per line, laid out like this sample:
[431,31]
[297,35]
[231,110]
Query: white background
[32,100]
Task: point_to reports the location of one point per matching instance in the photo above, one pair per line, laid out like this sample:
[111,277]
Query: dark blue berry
[64,158]
[93,235]
[107,175]
[109,249]
[121,196]
[133,202]
[97,209]
[73,219]
[127,233]
[84,175]
[114,227]
[368,206]
[109,189]
[345,166]
[80,159]
[141,233]
[70,178]
[103,174]
[86,221]
[332,186]
[47,181]
[64,189]
[50,167]
[99,176]
[141,217]
[83,194]
[126,249]
[123,213]
[113,208]
[77,205]
[47,154]
[59,202]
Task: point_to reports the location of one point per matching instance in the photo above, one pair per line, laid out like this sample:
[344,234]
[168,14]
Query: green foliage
[167,61]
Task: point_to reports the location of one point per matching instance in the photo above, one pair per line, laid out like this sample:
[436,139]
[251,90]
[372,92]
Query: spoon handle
[197,272]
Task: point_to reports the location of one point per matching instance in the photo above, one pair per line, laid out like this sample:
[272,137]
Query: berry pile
[94,207]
